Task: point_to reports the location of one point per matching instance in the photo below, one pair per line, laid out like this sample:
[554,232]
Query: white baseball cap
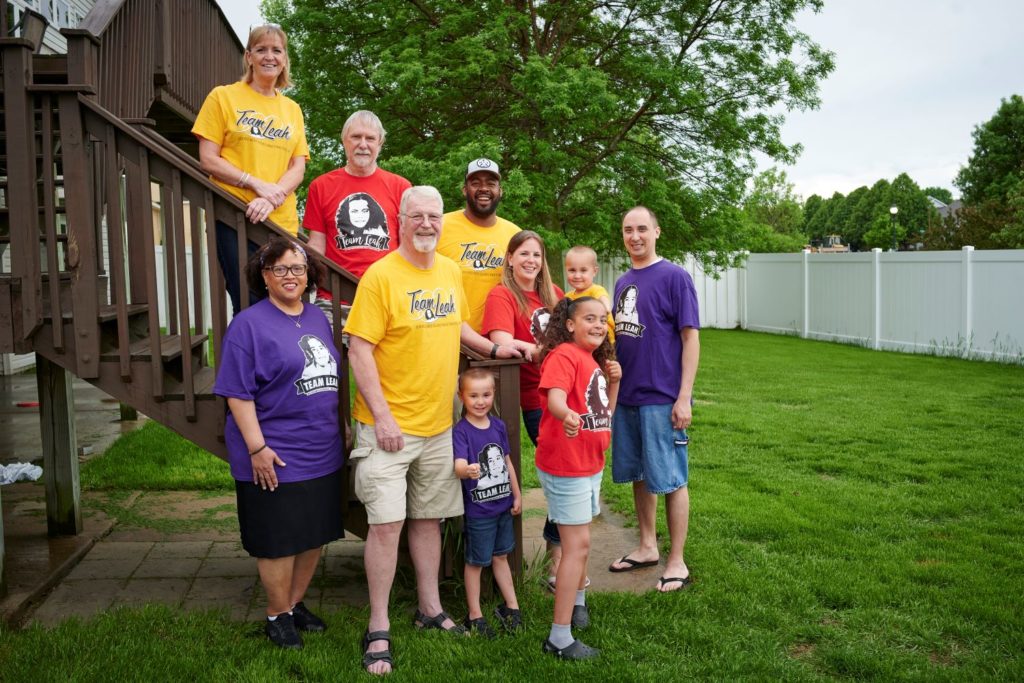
[482,165]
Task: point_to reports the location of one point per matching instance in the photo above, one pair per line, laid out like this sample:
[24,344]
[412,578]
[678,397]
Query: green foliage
[591,107]
[997,165]
[883,231]
[865,211]
[771,216]
[992,182]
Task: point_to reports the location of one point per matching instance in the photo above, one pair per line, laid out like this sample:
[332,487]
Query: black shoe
[282,633]
[511,619]
[576,650]
[306,620]
[580,616]
[478,626]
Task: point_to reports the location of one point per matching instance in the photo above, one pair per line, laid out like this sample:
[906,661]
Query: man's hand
[389,435]
[509,351]
[524,349]
[473,471]
[682,414]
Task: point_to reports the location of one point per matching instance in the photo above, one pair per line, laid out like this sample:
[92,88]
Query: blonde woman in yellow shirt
[252,142]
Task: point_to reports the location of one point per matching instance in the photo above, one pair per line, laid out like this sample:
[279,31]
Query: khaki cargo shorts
[417,482]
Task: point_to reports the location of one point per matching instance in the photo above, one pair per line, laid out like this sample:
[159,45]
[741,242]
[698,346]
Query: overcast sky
[912,80]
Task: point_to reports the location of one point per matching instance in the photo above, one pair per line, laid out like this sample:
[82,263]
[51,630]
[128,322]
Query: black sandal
[382,656]
[423,622]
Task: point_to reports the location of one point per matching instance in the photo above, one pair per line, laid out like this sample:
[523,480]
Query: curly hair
[268,255]
[558,332]
[543,286]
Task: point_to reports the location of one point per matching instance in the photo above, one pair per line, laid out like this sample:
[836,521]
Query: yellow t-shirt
[480,253]
[596,291]
[258,135]
[414,318]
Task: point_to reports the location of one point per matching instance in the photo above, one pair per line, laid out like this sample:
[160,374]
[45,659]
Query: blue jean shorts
[571,500]
[645,447]
[487,537]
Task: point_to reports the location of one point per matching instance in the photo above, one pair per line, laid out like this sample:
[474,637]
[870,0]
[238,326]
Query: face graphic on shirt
[539,323]
[320,370]
[597,394]
[626,309]
[360,223]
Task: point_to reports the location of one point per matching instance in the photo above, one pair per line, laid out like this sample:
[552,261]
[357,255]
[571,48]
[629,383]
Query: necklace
[297,319]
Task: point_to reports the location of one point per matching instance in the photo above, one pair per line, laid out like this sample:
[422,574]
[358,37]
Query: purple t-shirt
[652,305]
[491,494]
[292,375]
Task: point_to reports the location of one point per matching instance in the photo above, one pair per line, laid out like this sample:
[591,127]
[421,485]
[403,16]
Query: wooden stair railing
[82,190]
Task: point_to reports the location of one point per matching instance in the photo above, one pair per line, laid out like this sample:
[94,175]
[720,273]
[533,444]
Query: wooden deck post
[60,448]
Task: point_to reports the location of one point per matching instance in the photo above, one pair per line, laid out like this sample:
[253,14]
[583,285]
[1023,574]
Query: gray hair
[420,192]
[367,117]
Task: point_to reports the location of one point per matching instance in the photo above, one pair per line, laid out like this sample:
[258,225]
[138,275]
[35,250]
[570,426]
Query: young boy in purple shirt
[491,494]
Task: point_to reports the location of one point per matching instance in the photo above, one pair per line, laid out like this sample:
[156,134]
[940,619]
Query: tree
[940,193]
[772,216]
[997,164]
[914,208]
[589,107]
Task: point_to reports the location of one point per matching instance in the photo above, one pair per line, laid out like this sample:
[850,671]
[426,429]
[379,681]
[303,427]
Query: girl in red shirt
[579,381]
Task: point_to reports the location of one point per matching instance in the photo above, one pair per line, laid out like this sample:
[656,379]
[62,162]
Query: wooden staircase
[90,203]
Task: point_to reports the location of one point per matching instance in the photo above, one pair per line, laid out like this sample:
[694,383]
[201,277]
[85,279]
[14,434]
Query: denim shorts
[646,448]
[487,537]
[571,500]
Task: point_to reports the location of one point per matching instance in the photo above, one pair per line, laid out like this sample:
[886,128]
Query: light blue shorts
[571,500]
[645,447]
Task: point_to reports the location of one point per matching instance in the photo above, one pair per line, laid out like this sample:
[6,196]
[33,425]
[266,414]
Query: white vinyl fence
[961,303]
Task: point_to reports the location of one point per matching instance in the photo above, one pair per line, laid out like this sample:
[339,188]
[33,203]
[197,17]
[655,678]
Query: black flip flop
[684,583]
[633,564]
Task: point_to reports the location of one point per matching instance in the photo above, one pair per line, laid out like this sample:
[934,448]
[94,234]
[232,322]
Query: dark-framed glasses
[298,270]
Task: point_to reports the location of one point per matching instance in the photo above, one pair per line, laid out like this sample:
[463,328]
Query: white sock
[561,636]
[581,597]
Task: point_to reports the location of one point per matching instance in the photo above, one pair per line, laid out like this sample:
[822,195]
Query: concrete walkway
[181,548]
[191,567]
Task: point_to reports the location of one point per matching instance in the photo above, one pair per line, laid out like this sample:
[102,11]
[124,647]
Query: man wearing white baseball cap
[476,238]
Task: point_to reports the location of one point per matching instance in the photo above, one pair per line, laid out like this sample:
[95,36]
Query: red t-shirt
[501,312]
[358,216]
[573,369]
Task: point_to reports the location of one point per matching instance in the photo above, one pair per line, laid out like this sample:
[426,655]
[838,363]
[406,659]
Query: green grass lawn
[855,515]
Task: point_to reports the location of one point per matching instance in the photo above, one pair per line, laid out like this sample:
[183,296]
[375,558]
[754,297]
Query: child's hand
[614,371]
[571,424]
[517,505]
[473,471]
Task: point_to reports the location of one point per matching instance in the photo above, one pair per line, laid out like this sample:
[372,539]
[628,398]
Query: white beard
[424,245]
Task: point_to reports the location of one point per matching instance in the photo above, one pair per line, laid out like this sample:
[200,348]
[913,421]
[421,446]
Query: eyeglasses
[298,270]
[419,218]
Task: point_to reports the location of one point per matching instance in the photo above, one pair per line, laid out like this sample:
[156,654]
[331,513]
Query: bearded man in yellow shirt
[406,323]
[476,238]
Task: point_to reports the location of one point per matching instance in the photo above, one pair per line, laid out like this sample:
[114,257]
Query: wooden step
[170,348]
[202,385]
[108,313]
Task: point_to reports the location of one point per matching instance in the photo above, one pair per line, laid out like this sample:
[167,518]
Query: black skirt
[294,518]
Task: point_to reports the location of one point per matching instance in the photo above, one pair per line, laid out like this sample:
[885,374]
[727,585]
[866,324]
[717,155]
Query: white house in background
[59,13]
